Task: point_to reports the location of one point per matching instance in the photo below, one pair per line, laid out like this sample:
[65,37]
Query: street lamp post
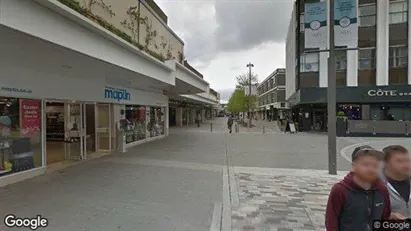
[249,65]
[331,95]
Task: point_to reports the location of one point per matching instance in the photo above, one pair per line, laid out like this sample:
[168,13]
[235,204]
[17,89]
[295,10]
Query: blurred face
[399,163]
[366,168]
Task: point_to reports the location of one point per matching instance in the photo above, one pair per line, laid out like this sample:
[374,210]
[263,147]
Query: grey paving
[281,201]
[155,187]
[174,183]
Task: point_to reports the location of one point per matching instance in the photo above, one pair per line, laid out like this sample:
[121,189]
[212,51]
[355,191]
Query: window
[366,58]
[398,56]
[156,122]
[309,62]
[302,23]
[398,12]
[340,60]
[20,135]
[136,129]
[367,15]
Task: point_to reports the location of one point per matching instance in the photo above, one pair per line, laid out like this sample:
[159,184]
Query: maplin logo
[117,94]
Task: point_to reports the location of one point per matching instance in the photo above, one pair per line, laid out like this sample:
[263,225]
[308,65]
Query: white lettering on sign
[379,93]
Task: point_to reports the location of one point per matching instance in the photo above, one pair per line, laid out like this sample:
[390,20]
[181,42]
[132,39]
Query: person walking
[396,176]
[355,202]
[198,119]
[230,123]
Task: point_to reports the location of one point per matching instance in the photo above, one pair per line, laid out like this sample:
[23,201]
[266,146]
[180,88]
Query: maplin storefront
[62,95]
[357,103]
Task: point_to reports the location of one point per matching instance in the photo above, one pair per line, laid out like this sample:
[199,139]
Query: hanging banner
[315,24]
[30,114]
[346,26]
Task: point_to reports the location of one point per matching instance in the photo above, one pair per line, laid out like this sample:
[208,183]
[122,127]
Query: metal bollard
[236,128]
[263,129]
[211,127]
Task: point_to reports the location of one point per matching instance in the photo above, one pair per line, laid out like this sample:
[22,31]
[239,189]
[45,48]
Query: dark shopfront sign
[362,94]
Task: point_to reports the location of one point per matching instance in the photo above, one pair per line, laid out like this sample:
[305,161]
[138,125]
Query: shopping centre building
[373,81]
[80,79]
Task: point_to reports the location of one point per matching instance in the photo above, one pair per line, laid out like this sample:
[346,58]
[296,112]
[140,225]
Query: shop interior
[77,131]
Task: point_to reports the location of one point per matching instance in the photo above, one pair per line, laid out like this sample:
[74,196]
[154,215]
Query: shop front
[42,128]
[367,103]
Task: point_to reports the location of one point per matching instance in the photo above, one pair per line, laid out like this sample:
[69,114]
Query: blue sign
[315,22]
[116,94]
[345,20]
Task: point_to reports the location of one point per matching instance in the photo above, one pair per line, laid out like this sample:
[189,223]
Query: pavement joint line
[216,220]
[235,201]
[287,172]
[226,211]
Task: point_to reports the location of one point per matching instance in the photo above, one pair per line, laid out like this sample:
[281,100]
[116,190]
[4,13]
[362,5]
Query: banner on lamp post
[315,25]
[346,23]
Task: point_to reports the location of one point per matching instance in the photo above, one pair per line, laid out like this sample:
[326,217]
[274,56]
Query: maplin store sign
[116,94]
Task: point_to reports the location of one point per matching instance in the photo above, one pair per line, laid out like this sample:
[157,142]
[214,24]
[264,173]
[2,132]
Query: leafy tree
[237,102]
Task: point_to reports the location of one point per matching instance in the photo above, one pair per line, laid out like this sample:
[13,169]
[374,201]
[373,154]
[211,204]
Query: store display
[136,125]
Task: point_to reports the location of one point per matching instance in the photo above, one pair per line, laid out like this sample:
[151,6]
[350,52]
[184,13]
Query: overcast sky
[222,36]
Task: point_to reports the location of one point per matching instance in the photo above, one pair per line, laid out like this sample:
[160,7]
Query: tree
[237,102]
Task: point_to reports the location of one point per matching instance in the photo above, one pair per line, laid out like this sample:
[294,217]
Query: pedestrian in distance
[396,176]
[198,120]
[230,123]
[361,197]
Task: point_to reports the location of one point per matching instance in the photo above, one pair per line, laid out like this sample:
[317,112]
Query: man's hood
[349,183]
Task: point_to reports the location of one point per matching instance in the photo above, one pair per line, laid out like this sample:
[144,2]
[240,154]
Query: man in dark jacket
[359,199]
[230,123]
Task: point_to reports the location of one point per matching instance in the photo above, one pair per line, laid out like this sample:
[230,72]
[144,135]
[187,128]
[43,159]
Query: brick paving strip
[281,199]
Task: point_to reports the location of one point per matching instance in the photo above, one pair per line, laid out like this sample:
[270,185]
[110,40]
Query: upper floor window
[309,62]
[398,12]
[367,15]
[340,60]
[302,23]
[366,58]
[398,56]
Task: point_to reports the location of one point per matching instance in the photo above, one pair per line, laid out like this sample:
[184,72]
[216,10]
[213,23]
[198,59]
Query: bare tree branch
[243,79]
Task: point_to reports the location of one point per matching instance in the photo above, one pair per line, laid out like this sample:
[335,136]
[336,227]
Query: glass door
[103,127]
[75,130]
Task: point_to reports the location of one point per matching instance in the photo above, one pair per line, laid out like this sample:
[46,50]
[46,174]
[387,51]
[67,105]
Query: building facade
[373,82]
[88,78]
[272,104]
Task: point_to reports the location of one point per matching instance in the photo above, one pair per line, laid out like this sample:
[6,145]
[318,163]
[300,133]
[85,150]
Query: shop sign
[16,90]
[389,93]
[116,94]
[30,113]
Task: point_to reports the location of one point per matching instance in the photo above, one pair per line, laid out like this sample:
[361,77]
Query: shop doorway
[77,131]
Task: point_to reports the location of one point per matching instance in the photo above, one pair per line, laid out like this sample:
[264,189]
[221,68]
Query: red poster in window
[30,115]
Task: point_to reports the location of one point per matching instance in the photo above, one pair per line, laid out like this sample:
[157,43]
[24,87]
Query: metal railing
[376,127]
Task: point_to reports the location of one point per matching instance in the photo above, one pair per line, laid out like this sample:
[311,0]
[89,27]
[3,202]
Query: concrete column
[167,122]
[383,26]
[203,115]
[352,68]
[323,69]
[179,117]
[192,115]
